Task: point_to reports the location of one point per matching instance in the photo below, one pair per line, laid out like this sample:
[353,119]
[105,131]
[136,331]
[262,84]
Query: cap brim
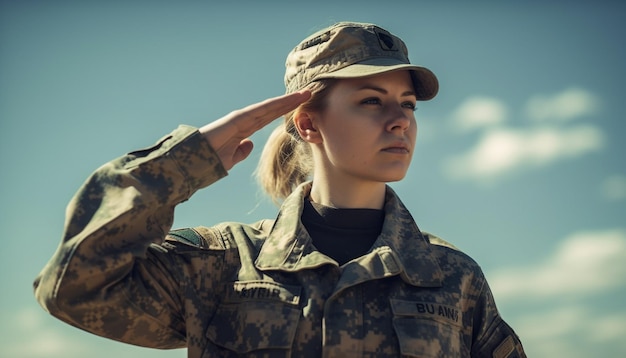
[425,81]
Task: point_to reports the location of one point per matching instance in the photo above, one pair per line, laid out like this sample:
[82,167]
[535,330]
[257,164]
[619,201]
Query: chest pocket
[256,315]
[426,329]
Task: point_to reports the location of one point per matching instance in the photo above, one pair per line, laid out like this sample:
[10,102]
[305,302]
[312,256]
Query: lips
[399,148]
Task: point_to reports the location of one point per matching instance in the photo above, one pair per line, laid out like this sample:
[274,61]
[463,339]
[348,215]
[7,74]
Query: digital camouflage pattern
[259,290]
[351,50]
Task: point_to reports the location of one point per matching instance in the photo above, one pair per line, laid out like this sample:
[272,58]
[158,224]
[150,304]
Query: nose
[399,120]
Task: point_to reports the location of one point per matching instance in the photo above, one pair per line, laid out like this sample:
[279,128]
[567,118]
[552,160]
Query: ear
[306,126]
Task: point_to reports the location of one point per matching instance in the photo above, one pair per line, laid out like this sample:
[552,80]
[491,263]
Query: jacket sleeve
[493,337]
[104,277]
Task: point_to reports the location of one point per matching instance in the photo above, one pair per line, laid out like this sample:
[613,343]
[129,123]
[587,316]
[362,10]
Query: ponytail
[286,160]
[284,164]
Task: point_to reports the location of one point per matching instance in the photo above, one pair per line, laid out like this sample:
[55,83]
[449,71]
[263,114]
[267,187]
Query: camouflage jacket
[259,290]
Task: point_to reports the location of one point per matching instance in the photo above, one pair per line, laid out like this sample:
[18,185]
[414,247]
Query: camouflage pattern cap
[350,50]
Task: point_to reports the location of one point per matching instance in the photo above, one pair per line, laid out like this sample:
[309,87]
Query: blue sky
[520,158]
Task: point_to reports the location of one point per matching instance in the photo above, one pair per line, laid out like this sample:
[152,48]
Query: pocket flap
[428,329]
[256,315]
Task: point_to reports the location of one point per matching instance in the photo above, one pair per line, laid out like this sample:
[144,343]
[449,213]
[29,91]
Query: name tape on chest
[263,290]
[430,310]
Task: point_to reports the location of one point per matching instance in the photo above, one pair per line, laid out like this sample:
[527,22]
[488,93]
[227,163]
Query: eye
[410,105]
[372,101]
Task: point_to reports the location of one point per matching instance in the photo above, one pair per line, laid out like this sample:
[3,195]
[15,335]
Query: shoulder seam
[437,241]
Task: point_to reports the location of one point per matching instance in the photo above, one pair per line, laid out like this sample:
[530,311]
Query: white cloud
[553,324]
[35,334]
[569,331]
[569,104]
[614,188]
[479,112]
[555,306]
[38,340]
[586,263]
[503,150]
[607,328]
[28,321]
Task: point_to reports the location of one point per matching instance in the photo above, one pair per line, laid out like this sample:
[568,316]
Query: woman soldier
[343,270]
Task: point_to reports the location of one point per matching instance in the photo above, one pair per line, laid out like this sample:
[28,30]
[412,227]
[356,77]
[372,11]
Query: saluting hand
[229,135]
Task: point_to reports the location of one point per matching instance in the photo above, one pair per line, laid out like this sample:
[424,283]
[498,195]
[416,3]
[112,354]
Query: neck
[364,195]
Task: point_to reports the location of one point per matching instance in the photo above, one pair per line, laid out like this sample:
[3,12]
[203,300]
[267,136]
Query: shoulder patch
[187,236]
[201,237]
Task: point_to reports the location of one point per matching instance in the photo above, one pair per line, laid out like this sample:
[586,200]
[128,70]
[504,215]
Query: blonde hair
[286,159]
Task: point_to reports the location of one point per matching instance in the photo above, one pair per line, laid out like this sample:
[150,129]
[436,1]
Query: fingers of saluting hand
[229,134]
[244,122]
[256,116]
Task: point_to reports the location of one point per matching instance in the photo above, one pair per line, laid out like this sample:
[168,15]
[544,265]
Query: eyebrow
[384,91]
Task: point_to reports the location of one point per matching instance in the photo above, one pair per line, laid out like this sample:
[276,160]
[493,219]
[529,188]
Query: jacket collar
[400,248]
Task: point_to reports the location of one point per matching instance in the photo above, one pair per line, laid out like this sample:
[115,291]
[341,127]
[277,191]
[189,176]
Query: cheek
[413,130]
[345,143]
[338,128]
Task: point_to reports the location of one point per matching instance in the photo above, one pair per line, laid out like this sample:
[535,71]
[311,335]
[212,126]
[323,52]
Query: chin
[392,178]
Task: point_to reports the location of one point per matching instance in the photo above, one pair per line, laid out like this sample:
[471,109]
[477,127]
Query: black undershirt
[342,234]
